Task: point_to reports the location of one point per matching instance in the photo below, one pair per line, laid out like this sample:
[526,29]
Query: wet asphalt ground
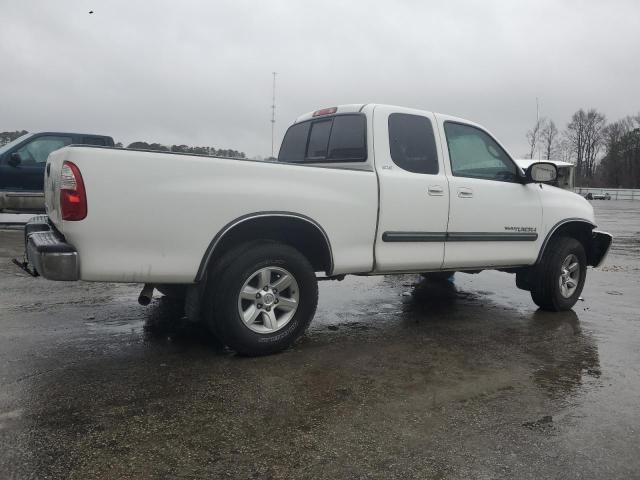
[396,378]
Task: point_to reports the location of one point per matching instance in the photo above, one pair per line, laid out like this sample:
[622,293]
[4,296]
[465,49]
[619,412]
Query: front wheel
[264,299]
[560,277]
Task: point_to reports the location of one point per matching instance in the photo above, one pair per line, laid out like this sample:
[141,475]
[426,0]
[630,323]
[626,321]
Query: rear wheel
[264,299]
[560,277]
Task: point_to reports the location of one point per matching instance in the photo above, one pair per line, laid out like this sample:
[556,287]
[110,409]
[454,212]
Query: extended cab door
[494,219]
[414,194]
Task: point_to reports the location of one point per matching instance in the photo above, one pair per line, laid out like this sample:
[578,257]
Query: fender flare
[252,216]
[555,229]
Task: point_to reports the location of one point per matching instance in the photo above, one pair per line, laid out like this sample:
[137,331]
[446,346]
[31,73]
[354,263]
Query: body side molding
[414,236]
[492,237]
[458,237]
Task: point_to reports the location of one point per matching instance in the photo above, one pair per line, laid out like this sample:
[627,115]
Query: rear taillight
[73,197]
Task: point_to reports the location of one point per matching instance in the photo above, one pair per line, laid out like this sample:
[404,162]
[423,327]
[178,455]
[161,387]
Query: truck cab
[22,165]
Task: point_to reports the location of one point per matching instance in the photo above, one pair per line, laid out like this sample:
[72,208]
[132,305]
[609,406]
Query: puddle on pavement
[116,326]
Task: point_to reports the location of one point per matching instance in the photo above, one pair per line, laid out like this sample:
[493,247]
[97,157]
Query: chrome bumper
[47,251]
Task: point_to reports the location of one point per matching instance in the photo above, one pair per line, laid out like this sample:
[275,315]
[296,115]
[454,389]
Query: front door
[414,194]
[494,219]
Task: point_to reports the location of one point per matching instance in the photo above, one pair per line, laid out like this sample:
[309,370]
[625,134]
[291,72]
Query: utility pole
[273,111]
[538,125]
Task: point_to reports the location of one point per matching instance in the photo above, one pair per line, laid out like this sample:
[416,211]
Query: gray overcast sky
[199,72]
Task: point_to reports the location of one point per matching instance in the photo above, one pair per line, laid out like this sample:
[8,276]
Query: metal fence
[614,193]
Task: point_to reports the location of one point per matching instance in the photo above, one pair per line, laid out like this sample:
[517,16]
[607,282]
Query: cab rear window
[336,139]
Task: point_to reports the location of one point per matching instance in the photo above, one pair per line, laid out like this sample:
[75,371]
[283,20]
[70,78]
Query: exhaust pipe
[146,295]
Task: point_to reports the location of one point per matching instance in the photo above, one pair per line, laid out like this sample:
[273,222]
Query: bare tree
[619,167]
[549,139]
[565,152]
[585,135]
[533,137]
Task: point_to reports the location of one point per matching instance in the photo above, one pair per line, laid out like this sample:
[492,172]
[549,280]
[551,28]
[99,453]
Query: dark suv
[22,165]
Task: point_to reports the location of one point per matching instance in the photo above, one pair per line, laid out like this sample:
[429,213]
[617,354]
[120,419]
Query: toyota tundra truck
[355,190]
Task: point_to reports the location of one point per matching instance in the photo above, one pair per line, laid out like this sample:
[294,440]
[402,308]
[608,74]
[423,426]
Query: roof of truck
[358,107]
[347,108]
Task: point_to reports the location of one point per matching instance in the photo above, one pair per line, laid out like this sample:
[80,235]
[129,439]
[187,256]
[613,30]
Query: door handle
[436,191]
[465,192]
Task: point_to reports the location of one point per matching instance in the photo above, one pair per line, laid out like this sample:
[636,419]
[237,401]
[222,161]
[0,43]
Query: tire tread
[544,291]
[222,311]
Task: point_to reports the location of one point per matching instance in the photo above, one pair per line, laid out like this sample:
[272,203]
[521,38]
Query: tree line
[211,151]
[605,154]
[6,137]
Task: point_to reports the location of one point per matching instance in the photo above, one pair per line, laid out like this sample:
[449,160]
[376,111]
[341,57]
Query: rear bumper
[47,251]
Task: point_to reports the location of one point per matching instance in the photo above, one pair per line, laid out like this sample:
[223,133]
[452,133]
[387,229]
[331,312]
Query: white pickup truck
[357,189]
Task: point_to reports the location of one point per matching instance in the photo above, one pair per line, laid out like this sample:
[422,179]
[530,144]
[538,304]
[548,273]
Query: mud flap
[524,278]
[600,244]
[24,265]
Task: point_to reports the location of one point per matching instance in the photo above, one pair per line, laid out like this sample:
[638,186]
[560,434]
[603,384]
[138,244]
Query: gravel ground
[395,379]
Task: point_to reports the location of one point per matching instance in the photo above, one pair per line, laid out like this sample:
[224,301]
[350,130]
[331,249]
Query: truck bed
[152,215]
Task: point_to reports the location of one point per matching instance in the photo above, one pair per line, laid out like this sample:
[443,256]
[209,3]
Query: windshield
[10,145]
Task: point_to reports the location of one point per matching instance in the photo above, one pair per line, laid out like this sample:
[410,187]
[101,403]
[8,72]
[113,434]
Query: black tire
[224,288]
[213,276]
[545,287]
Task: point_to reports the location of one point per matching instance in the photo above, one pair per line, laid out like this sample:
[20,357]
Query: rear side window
[338,139]
[412,143]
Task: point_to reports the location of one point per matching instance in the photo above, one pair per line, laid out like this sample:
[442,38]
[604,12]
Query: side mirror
[14,159]
[541,172]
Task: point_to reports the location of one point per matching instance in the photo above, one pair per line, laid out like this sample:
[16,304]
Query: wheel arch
[294,229]
[578,228]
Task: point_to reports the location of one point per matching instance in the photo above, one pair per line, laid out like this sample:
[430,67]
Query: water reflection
[561,354]
[564,355]
[436,298]
[438,344]
[568,356]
